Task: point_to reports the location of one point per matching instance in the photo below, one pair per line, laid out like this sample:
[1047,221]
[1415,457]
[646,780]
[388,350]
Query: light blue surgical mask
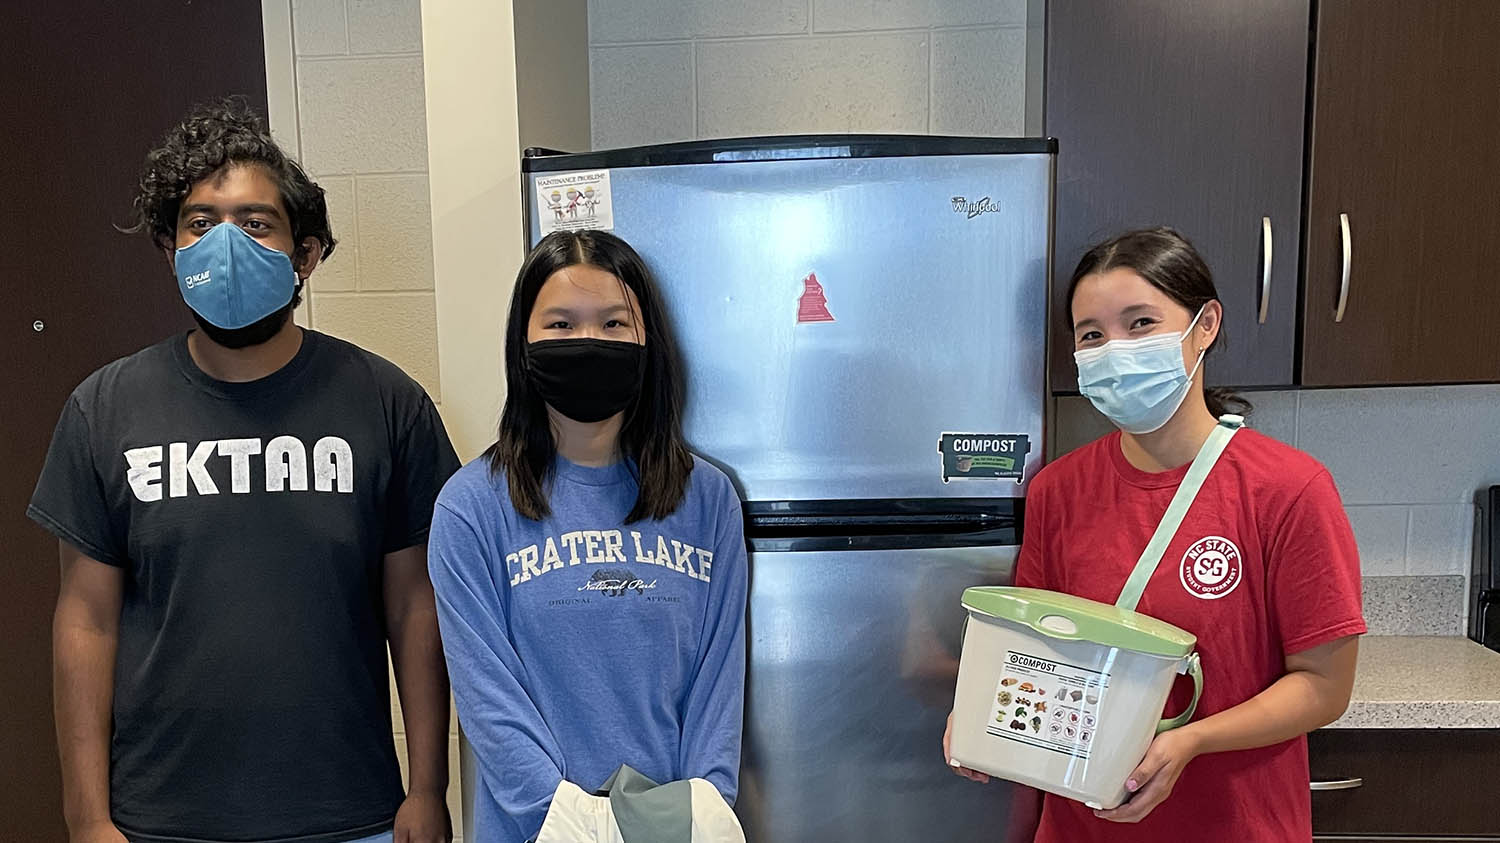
[1138,384]
[231,279]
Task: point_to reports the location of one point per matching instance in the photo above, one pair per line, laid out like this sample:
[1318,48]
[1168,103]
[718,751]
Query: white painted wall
[552,73]
[361,129]
[476,203]
[669,70]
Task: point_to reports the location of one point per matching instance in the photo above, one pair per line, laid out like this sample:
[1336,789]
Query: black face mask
[586,380]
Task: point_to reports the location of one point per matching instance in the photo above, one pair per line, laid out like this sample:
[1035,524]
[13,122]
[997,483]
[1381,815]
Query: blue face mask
[1138,384]
[231,280]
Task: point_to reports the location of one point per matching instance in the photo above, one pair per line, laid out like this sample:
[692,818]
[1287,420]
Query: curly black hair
[213,135]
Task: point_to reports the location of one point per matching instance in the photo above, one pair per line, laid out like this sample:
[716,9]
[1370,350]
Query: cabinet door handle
[1265,272]
[1337,784]
[1348,251]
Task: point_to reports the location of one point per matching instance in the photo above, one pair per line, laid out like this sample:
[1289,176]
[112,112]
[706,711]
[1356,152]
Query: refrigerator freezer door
[853,659]
[838,316]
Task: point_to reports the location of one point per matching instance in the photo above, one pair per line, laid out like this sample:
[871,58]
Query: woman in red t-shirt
[1264,568]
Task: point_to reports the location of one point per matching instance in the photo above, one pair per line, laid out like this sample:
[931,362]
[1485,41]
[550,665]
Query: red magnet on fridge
[813,305]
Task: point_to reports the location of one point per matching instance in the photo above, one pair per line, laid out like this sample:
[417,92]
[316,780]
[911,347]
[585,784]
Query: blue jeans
[383,837]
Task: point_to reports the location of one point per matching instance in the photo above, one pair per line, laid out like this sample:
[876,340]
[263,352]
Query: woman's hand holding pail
[1153,779]
[971,775]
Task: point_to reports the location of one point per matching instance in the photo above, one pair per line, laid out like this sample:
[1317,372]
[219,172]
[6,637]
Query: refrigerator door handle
[880,523]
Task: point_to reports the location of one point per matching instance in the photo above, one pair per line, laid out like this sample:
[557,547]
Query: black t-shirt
[251,519]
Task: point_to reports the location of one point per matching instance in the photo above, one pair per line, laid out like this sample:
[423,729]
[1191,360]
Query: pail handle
[1194,668]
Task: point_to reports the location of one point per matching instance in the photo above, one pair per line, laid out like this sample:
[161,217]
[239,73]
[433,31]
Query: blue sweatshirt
[579,643]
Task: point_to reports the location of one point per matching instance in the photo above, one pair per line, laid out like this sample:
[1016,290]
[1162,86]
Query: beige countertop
[1424,683]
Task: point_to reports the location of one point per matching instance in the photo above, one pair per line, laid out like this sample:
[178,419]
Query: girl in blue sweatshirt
[590,572]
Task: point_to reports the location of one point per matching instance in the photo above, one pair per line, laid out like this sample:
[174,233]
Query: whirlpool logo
[972,208]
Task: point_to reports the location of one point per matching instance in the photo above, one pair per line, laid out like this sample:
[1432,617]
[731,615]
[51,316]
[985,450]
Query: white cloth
[577,817]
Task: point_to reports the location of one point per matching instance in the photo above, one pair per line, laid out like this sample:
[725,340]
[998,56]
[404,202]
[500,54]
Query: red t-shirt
[1264,565]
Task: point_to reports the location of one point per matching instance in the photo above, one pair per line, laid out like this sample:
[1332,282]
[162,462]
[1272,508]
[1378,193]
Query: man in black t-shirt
[242,515]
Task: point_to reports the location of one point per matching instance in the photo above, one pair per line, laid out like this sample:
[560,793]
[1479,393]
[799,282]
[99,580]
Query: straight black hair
[651,437]
[1168,262]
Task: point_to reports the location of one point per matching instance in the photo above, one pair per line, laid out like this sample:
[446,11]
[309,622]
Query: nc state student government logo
[1211,568]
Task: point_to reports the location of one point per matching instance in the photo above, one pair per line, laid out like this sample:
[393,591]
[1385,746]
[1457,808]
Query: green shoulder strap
[1218,440]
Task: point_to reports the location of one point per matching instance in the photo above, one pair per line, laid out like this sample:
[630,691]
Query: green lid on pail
[1072,618]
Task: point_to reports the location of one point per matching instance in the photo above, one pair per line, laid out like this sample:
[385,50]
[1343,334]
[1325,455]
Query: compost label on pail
[1047,704]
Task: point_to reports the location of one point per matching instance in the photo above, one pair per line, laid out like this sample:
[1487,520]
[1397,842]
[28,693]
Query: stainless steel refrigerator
[863,324]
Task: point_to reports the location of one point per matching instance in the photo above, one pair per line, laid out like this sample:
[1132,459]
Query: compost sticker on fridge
[1047,704]
[575,201]
[988,455]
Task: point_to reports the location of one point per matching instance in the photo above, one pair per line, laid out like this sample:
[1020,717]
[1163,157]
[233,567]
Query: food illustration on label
[1070,716]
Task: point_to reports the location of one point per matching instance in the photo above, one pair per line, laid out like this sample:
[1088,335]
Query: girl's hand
[1157,774]
[971,775]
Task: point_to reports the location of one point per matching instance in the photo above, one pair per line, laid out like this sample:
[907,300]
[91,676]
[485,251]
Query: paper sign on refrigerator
[575,201]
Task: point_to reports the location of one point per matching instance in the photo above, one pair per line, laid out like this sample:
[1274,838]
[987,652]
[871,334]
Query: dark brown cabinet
[1198,115]
[1404,784]
[1403,194]
[1190,115]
